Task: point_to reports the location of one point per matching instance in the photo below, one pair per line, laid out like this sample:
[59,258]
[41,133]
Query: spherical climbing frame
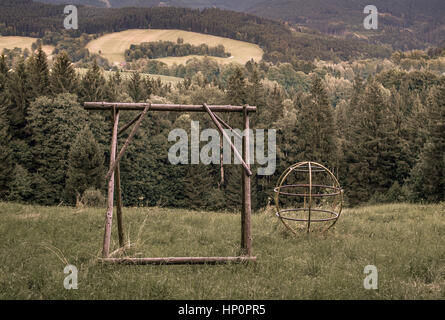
[114,181]
[333,191]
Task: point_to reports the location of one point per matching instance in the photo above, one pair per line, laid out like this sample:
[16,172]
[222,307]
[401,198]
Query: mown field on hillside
[112,46]
[21,42]
[405,242]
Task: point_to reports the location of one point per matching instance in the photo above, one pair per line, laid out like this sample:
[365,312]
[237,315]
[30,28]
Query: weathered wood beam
[180,260]
[128,125]
[227,126]
[127,142]
[163,107]
[109,216]
[246,238]
[221,130]
[120,227]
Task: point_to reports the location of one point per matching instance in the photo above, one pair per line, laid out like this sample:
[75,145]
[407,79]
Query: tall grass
[405,242]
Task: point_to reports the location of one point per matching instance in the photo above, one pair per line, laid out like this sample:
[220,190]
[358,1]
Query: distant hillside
[279,42]
[113,45]
[404,24]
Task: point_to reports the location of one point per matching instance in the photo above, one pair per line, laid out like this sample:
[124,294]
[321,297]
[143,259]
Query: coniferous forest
[375,116]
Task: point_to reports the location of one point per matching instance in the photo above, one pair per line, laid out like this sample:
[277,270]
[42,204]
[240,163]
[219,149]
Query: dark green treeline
[386,142]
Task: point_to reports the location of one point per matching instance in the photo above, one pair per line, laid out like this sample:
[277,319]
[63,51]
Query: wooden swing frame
[114,180]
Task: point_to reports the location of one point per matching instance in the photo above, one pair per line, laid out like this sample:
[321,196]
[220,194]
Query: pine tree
[92,85]
[20,187]
[63,77]
[4,94]
[5,156]
[85,165]
[428,176]
[256,95]
[149,85]
[274,106]
[236,88]
[54,123]
[135,89]
[113,87]
[417,129]
[19,90]
[3,65]
[373,153]
[316,133]
[39,74]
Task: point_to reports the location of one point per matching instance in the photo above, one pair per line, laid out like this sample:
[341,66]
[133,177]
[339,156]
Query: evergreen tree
[54,123]
[19,90]
[256,94]
[5,155]
[85,165]
[113,87]
[315,129]
[39,74]
[63,77]
[274,105]
[236,88]
[373,153]
[428,177]
[135,88]
[3,65]
[150,86]
[20,187]
[4,94]
[417,129]
[92,85]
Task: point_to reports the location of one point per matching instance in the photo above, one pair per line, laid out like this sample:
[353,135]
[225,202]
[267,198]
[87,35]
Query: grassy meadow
[23,43]
[405,242]
[113,45]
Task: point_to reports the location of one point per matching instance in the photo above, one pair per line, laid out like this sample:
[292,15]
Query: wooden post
[120,228]
[109,217]
[310,198]
[246,239]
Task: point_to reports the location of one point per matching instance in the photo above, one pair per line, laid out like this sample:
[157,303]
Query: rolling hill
[404,24]
[112,46]
[23,43]
[277,39]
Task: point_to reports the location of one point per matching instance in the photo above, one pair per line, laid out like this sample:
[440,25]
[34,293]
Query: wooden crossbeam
[163,107]
[180,260]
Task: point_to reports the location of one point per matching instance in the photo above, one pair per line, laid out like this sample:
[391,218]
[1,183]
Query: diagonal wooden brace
[128,125]
[127,142]
[226,125]
[221,130]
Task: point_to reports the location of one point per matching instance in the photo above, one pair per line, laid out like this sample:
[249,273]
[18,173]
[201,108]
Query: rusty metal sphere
[308,193]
